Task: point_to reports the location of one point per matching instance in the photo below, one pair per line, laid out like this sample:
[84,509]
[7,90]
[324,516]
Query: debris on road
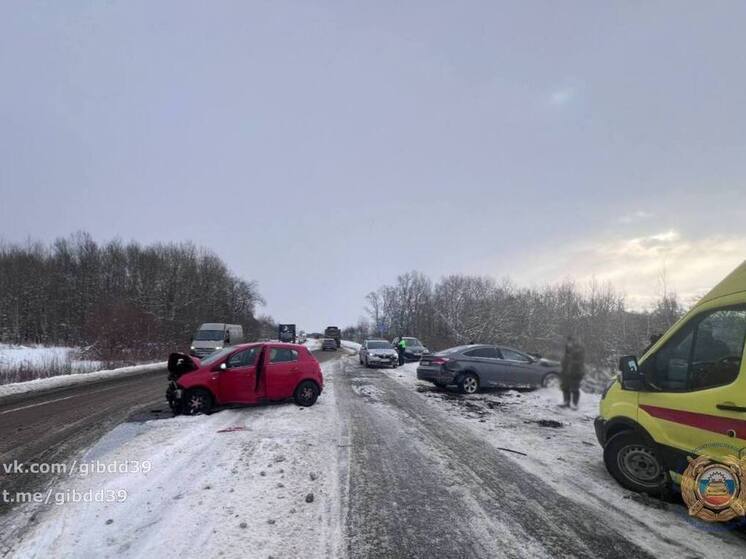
[553,424]
[234,429]
[511,450]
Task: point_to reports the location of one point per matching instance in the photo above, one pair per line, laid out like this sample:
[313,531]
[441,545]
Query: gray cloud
[297,139]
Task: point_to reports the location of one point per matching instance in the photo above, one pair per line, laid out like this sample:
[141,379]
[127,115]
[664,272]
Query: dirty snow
[560,446]
[259,482]
[367,391]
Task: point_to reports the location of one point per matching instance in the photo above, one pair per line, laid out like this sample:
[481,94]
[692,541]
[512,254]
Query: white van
[214,336]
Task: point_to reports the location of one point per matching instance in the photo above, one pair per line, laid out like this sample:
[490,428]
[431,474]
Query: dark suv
[413,348]
[329,344]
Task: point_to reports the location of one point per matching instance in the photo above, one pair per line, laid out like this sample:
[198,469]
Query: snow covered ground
[560,446]
[273,481]
[13,357]
[21,363]
[354,346]
[544,427]
[254,482]
[557,441]
[77,378]
[56,366]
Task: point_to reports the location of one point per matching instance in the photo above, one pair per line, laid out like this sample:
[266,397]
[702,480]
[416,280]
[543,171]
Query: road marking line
[35,405]
[20,408]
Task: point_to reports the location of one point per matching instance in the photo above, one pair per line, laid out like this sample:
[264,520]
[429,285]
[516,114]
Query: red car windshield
[217,356]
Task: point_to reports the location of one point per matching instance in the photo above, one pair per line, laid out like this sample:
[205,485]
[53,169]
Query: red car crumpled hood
[181,363]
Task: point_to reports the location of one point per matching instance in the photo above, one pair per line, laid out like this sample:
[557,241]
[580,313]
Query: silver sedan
[378,352]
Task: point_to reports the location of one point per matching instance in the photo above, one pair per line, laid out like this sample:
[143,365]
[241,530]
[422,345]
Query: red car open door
[237,382]
[282,372]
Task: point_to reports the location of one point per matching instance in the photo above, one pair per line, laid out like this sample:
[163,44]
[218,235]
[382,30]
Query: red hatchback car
[243,374]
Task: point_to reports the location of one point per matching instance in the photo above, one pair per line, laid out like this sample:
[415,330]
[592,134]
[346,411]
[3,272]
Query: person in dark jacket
[573,371]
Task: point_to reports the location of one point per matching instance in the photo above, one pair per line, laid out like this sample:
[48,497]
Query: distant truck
[334,333]
[214,336]
[286,333]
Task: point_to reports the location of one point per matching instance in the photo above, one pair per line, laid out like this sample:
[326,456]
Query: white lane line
[20,408]
[35,405]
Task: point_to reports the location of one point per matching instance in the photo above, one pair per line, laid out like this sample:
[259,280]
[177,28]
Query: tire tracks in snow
[460,496]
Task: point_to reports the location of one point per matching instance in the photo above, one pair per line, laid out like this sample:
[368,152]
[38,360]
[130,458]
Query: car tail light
[438,361]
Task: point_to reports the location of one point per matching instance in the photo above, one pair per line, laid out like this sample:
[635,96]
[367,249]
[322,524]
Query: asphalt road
[422,485]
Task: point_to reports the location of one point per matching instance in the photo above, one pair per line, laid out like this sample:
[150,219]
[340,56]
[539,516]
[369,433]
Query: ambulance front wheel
[635,464]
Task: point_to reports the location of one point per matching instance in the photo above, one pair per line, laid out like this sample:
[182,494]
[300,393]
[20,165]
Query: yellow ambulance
[686,396]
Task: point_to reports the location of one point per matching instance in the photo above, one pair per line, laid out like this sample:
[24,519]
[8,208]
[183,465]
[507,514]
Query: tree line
[461,309]
[119,299]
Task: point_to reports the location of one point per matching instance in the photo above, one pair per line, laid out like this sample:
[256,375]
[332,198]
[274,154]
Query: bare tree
[460,309]
[78,292]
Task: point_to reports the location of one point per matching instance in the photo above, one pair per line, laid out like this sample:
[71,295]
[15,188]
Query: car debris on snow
[552,423]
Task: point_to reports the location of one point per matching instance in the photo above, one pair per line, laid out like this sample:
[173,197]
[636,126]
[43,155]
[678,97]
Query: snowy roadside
[260,481]
[76,379]
[559,445]
[354,346]
[21,363]
[37,355]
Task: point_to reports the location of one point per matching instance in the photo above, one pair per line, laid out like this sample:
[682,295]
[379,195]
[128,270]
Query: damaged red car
[242,375]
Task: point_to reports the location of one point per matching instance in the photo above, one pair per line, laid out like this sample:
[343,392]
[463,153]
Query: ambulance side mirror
[632,378]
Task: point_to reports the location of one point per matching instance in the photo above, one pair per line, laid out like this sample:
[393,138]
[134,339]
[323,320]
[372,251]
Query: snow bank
[77,378]
[354,346]
[258,482]
[14,356]
[21,363]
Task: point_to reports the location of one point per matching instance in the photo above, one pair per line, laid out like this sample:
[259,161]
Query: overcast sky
[322,148]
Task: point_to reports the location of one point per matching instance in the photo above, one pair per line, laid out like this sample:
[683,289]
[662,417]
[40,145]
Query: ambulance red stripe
[713,423]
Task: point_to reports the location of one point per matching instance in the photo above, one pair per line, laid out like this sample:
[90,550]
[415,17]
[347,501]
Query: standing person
[573,370]
[400,347]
